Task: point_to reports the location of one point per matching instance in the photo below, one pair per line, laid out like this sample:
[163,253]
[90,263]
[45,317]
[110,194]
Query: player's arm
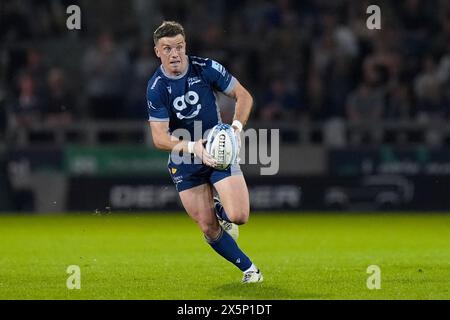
[162,140]
[244,104]
[223,81]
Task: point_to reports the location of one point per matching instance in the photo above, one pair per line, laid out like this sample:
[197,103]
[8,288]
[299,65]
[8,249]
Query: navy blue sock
[220,211]
[228,248]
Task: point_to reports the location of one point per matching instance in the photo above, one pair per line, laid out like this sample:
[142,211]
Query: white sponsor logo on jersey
[192,81]
[150,105]
[180,103]
[199,63]
[217,66]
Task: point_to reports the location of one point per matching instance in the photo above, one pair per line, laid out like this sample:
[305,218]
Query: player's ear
[157,51]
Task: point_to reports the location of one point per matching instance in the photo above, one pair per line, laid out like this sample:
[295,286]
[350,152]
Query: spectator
[60,101]
[27,108]
[365,105]
[280,102]
[105,70]
[398,106]
[37,69]
[431,104]
[144,64]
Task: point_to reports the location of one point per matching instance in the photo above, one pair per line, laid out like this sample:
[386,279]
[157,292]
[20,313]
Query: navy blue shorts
[187,176]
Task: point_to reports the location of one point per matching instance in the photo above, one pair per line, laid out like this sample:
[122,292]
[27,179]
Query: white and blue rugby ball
[222,145]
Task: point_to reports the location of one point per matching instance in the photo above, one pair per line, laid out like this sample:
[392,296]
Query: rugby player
[181,98]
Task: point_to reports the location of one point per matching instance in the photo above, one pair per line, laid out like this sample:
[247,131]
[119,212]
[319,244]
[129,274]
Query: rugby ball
[221,144]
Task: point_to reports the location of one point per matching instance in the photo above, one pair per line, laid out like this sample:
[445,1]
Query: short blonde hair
[168,29]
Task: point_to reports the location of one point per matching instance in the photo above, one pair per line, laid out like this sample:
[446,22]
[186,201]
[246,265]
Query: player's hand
[200,152]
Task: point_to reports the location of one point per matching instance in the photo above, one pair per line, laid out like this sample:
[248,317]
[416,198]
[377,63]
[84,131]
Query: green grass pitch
[163,256]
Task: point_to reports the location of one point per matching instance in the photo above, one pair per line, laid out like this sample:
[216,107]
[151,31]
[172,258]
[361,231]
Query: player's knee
[240,217]
[241,220]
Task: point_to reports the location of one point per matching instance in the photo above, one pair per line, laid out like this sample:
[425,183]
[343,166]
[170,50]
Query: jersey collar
[176,77]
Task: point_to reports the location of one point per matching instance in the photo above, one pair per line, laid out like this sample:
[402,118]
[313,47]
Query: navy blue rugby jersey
[189,98]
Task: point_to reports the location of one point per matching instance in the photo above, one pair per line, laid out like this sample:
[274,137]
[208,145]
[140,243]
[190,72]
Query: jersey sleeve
[219,77]
[157,110]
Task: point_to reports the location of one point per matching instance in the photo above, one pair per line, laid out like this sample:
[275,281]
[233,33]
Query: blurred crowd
[310,60]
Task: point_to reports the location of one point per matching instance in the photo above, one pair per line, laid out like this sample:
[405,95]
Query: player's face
[172,52]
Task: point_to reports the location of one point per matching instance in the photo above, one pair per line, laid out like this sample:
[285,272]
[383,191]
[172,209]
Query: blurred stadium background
[363,114]
[363,118]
